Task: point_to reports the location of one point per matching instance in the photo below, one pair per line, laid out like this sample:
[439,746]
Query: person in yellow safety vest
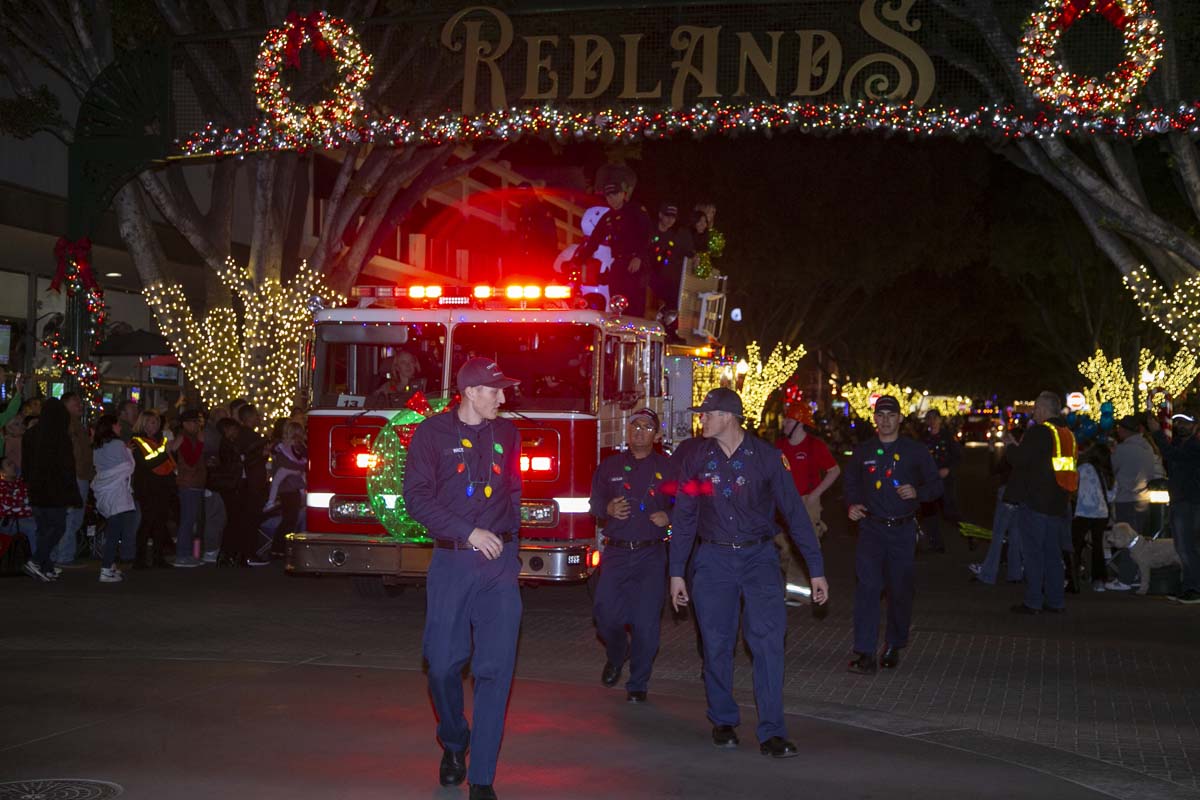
[1042,504]
[153,485]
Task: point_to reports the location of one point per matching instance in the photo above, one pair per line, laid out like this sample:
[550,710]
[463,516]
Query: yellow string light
[261,357]
[760,379]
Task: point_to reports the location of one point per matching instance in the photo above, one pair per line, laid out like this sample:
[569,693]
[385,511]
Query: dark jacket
[48,460]
[1183,467]
[1032,482]
[225,469]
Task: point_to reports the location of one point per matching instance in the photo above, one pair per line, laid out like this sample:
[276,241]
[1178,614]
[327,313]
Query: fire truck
[582,372]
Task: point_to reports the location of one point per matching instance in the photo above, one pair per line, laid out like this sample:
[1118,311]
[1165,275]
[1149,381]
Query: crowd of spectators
[142,488]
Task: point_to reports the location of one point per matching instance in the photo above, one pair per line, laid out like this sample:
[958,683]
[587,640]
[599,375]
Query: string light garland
[85,372]
[330,37]
[759,380]
[1156,375]
[632,124]
[1175,311]
[258,358]
[945,405]
[861,397]
[74,271]
[715,249]
[1054,85]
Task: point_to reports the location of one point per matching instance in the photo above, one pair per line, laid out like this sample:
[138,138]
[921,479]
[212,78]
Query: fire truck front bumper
[548,561]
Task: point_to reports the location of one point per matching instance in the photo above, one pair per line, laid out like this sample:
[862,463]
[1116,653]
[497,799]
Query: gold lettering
[766,68]
[926,78]
[535,64]
[589,51]
[629,90]
[809,63]
[477,51]
[686,38]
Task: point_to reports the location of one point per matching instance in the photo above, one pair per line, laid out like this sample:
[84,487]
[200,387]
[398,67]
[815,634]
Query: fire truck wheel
[373,587]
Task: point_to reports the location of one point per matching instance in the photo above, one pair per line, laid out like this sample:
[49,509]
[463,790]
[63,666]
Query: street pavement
[203,683]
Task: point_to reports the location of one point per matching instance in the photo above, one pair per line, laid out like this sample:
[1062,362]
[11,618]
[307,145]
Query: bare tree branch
[185,223]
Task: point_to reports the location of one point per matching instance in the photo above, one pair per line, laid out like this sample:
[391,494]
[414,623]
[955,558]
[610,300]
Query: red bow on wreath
[297,26]
[79,252]
[1111,10]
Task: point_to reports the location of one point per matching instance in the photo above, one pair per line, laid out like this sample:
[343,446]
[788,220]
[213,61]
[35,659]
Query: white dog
[1146,553]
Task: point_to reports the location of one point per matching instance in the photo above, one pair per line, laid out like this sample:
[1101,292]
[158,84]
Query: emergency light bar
[464,295]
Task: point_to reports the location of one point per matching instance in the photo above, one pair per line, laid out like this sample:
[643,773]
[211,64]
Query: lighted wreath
[330,37]
[1083,94]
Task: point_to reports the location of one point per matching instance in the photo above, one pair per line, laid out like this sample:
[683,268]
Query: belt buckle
[736,545]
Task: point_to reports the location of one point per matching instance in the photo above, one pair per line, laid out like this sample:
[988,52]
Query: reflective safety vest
[150,451]
[1063,460]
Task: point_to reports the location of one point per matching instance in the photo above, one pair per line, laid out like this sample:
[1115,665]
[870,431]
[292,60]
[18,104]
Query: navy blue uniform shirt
[1183,466]
[733,499]
[638,480]
[440,467]
[867,481]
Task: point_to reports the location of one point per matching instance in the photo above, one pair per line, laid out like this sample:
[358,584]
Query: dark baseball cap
[481,371]
[648,413]
[1130,423]
[720,399]
[887,403]
[669,208]
[611,188]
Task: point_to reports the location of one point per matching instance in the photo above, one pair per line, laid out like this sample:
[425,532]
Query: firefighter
[628,499]
[887,479]
[463,483]
[732,485]
[626,230]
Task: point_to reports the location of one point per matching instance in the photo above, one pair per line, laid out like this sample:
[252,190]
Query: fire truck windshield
[553,360]
[377,365]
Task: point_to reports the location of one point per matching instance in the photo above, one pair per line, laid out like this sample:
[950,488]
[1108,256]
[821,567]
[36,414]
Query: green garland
[385,483]
[704,261]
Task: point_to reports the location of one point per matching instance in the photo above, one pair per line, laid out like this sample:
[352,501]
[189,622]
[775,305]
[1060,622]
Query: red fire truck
[581,371]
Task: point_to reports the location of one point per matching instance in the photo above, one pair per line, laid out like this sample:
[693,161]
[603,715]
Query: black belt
[454,544]
[892,522]
[631,544]
[738,545]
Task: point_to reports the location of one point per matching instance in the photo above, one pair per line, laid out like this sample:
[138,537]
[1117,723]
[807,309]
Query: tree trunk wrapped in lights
[761,379]
[257,357]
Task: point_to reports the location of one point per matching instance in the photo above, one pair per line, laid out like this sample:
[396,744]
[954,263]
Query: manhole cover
[59,789]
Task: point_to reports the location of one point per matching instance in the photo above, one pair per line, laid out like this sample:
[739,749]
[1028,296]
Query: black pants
[290,519]
[1083,528]
[156,511]
[631,285]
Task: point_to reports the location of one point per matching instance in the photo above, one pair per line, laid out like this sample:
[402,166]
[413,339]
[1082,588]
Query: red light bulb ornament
[1048,78]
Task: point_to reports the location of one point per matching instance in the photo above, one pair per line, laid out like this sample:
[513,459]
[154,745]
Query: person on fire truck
[628,500]
[730,487]
[462,482]
[401,384]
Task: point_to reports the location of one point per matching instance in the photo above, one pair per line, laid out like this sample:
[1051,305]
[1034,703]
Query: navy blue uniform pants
[1042,539]
[746,582]
[883,559]
[470,599]
[631,592]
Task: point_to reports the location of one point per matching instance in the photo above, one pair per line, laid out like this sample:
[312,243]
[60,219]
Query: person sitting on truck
[402,382]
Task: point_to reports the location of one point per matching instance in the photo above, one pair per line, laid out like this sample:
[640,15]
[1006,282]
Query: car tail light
[594,559]
[350,449]
[367,461]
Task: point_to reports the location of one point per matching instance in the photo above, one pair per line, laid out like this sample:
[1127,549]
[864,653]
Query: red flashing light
[483,292]
[513,292]
[558,292]
[531,292]
[424,292]
[594,559]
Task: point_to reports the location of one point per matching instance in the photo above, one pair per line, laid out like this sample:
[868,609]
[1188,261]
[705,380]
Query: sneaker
[1116,586]
[187,561]
[211,556]
[35,572]
[53,574]
[258,561]
[975,569]
[1187,598]
[111,576]
[1097,586]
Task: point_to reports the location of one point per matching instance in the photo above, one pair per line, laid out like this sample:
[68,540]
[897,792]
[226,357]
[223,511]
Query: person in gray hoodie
[1135,464]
